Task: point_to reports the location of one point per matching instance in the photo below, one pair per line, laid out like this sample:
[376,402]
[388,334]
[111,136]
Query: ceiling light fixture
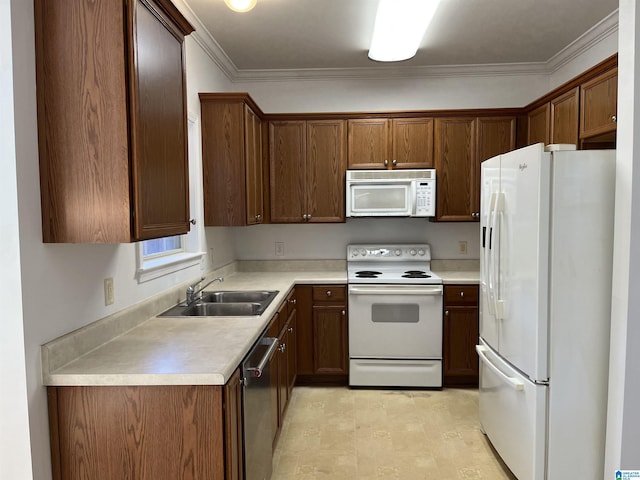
[241,5]
[399,28]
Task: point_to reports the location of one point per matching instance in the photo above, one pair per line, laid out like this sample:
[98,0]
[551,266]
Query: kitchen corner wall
[329,241]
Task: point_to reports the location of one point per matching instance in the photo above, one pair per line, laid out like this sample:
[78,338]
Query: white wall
[15,454]
[68,279]
[329,241]
[623,420]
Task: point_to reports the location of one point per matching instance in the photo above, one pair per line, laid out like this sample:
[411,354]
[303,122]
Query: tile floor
[339,433]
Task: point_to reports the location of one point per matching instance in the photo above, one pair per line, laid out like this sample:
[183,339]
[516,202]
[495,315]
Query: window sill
[159,267]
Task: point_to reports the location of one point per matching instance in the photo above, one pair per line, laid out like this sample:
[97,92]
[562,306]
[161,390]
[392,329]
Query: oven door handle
[391,290]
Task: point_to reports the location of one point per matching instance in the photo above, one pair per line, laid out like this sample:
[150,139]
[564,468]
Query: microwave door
[386,199]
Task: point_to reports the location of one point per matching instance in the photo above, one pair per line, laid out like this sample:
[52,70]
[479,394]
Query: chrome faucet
[192,293]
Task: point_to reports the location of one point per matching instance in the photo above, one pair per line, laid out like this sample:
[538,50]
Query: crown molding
[595,35]
[598,33]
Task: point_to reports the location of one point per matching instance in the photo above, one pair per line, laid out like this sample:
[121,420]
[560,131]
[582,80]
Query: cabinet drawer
[461,295]
[329,293]
[291,301]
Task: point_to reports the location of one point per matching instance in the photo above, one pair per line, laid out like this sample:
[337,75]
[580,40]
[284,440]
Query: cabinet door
[292,326]
[304,337]
[326,166]
[460,361]
[253,162]
[564,118]
[368,143]
[538,125]
[496,135]
[287,156]
[460,335]
[233,437]
[160,167]
[455,152]
[283,375]
[274,367]
[598,105]
[330,346]
[412,143]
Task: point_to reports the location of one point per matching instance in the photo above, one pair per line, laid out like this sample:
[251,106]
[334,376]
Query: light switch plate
[109,296]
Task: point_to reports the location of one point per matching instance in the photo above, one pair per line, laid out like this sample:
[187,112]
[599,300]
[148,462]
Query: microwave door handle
[413,198]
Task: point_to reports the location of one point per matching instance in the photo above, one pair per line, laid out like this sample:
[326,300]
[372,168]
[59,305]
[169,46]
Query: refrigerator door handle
[489,257]
[511,381]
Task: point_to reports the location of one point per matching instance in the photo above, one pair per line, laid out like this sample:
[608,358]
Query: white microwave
[391,193]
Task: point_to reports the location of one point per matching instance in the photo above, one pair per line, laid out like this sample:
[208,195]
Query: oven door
[395,321]
[389,199]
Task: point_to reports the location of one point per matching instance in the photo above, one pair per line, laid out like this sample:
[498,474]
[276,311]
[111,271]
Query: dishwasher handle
[257,370]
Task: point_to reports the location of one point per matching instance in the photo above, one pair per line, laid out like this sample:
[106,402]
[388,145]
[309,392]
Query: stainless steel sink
[225,304]
[259,296]
[223,309]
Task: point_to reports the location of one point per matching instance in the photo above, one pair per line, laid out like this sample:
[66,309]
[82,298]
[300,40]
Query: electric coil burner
[395,316]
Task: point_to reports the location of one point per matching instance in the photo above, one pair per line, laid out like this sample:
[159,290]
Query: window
[162,256]
[160,247]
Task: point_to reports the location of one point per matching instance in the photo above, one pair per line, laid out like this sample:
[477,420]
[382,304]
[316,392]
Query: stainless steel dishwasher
[257,410]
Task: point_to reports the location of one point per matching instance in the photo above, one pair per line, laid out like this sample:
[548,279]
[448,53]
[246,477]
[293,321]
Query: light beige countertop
[185,350]
[136,347]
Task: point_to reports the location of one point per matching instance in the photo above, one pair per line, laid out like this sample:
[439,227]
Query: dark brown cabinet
[599,107]
[460,335]
[307,161]
[380,143]
[564,117]
[283,363]
[455,161]
[112,124]
[538,125]
[323,347]
[147,432]
[496,135]
[232,157]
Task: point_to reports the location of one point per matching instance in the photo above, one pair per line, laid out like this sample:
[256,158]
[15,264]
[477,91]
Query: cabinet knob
[290,329]
[192,221]
[395,162]
[462,294]
[258,217]
[329,293]
[446,313]
[614,119]
[386,163]
[343,313]
[283,347]
[293,301]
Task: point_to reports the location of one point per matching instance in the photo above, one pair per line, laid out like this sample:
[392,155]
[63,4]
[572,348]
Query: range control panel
[393,252]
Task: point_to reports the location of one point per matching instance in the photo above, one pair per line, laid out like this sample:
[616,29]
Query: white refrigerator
[546,237]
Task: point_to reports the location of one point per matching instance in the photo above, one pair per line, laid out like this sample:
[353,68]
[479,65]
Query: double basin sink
[225,304]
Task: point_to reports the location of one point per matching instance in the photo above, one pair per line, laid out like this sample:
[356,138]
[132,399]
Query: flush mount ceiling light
[399,28]
[241,5]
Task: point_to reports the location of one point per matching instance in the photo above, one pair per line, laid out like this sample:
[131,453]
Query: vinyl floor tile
[340,433]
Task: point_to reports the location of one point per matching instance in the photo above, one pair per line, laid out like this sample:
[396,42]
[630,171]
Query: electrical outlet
[109,296]
[462,247]
[279,249]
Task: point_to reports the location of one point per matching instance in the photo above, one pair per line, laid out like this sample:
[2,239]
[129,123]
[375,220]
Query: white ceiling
[334,34]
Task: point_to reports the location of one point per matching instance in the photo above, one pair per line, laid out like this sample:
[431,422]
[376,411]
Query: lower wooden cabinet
[283,363]
[170,432]
[460,335]
[323,346]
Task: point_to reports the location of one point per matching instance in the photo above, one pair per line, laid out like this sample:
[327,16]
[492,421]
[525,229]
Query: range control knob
[363,252]
[421,252]
[354,253]
[398,252]
[412,252]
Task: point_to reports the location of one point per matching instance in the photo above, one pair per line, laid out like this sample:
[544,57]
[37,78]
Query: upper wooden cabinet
[112,126]
[538,125]
[455,161]
[307,161]
[379,143]
[598,105]
[564,117]
[496,135]
[232,156]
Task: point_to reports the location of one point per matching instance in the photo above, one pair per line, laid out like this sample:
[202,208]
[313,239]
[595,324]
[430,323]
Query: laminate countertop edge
[193,350]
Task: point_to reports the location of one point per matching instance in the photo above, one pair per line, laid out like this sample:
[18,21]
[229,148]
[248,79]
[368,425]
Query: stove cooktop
[390,264]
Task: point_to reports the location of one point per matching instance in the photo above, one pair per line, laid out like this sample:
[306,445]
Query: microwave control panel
[425,199]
